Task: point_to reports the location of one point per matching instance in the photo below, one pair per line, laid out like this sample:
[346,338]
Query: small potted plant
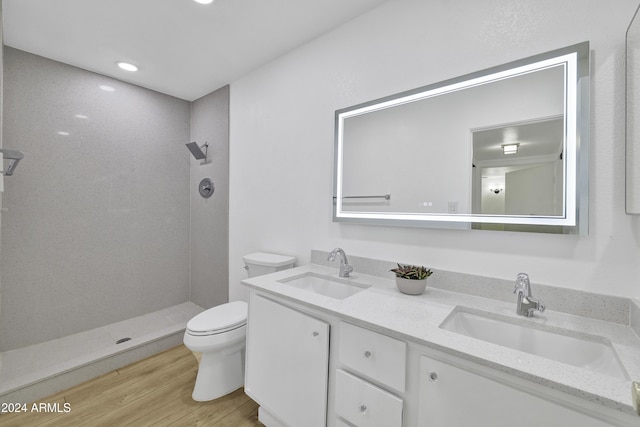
[411,279]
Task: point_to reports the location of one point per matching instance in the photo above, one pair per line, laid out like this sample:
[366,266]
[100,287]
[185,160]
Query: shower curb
[122,355]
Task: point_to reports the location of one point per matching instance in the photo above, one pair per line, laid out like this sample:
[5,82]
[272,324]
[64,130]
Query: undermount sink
[582,350]
[334,287]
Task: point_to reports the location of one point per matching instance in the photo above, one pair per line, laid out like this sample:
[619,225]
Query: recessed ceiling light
[510,148]
[63,133]
[126,66]
[107,88]
[204,1]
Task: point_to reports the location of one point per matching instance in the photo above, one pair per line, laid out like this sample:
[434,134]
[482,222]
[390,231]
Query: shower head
[15,156]
[197,151]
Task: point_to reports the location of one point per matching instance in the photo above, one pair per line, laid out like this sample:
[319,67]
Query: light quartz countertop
[417,319]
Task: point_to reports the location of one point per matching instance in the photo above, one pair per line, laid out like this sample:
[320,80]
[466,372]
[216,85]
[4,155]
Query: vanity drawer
[364,404]
[374,355]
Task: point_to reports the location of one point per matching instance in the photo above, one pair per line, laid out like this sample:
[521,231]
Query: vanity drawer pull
[367,354]
[316,333]
[433,377]
[363,409]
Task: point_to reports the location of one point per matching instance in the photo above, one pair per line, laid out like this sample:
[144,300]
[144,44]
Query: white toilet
[219,334]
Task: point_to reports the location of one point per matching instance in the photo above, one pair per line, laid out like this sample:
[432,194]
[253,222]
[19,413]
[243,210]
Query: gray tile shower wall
[96,227]
[210,216]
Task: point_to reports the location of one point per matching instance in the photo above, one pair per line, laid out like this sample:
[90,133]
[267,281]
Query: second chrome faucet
[345,268]
[526,303]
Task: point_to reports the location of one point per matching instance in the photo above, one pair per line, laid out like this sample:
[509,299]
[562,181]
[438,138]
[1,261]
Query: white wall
[530,191]
[282,138]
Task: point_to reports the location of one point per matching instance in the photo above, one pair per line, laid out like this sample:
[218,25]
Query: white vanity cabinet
[452,395]
[287,362]
[377,358]
[313,367]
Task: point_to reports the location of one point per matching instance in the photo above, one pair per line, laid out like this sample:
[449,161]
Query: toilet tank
[260,263]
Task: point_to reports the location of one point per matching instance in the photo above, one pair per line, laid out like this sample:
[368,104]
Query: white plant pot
[411,287]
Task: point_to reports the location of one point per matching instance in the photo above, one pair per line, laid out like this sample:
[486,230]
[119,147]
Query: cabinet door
[452,396]
[287,362]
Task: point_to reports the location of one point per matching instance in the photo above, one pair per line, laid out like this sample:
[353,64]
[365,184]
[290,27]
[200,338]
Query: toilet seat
[219,319]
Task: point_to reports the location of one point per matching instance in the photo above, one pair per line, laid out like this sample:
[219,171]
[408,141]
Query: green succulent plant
[412,272]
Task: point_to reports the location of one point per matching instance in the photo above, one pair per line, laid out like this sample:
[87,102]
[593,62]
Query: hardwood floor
[153,392]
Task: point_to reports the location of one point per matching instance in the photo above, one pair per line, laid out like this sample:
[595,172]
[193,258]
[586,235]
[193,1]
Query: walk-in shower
[96,253]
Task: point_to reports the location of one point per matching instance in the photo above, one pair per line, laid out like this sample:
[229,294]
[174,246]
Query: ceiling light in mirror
[510,149]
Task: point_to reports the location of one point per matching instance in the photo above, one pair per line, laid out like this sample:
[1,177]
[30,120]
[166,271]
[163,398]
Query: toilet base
[218,375]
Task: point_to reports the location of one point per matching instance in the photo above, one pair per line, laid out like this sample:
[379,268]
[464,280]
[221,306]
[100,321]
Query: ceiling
[182,48]
[537,138]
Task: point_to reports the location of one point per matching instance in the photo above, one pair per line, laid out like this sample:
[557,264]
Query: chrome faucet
[526,303]
[345,268]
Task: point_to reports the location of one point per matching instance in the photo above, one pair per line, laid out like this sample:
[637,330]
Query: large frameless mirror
[501,149]
[633,117]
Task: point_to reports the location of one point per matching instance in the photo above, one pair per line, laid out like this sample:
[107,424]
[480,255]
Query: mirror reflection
[495,147]
[518,170]
[632,183]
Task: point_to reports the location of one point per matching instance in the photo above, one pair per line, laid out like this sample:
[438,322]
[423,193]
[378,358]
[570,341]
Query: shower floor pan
[37,371]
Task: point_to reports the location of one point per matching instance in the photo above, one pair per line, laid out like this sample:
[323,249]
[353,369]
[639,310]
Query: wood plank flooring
[152,392]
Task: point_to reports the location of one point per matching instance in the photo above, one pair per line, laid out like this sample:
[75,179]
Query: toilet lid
[268,260]
[220,318]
